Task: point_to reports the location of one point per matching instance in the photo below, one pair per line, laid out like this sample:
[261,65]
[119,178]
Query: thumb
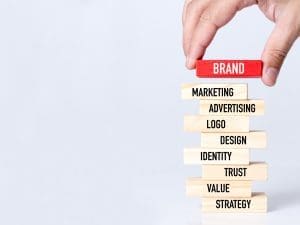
[277,48]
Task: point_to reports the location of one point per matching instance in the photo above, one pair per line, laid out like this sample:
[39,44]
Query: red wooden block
[229,68]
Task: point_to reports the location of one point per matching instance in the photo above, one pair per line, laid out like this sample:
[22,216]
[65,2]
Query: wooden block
[252,139]
[198,187]
[214,91]
[234,219]
[257,203]
[199,156]
[253,171]
[232,107]
[229,68]
[204,123]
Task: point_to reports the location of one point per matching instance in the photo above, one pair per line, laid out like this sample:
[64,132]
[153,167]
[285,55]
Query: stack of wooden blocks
[225,110]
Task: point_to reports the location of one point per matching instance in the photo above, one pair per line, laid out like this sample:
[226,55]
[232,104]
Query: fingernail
[272,74]
[189,63]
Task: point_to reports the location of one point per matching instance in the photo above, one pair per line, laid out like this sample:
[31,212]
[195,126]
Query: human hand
[202,18]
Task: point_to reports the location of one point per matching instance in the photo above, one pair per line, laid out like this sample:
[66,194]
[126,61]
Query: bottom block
[255,204]
[234,219]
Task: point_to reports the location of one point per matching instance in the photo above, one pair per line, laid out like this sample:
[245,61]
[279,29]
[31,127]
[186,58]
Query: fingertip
[190,63]
[270,76]
[268,82]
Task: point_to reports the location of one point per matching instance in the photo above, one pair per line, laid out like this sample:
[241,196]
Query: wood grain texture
[252,139]
[198,187]
[206,123]
[253,171]
[240,91]
[257,204]
[198,156]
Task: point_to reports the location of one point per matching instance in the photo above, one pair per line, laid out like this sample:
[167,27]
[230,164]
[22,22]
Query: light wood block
[234,219]
[198,156]
[257,203]
[214,91]
[200,123]
[253,139]
[253,171]
[232,107]
[198,187]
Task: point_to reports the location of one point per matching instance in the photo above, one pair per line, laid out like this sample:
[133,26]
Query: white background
[91,120]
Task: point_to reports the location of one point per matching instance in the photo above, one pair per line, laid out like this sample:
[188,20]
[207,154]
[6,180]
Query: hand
[202,19]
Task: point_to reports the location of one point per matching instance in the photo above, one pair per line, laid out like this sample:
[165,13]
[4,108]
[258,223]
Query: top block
[229,68]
